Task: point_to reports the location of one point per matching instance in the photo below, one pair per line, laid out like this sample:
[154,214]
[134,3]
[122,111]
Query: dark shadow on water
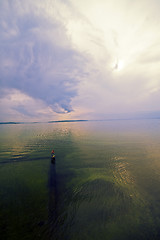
[59,220]
[53,200]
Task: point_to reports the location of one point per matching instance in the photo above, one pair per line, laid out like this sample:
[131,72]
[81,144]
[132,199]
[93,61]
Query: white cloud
[116,32]
[18,106]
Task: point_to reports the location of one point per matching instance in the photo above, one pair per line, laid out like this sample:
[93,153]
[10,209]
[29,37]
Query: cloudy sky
[78,59]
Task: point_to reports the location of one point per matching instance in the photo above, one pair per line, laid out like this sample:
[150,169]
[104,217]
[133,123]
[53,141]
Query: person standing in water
[53,155]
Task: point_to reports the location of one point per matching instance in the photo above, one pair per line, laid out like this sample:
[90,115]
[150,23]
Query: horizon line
[81,120]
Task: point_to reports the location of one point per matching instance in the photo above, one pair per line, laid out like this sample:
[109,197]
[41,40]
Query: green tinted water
[104,184]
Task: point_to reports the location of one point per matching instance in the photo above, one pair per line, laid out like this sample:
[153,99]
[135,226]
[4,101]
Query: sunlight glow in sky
[85,59]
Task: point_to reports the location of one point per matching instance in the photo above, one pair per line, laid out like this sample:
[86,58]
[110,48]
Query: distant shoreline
[58,121]
[72,121]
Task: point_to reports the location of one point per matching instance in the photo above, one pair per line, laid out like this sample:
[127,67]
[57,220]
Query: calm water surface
[105,183]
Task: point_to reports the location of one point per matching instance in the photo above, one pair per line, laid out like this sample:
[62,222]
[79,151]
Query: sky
[88,59]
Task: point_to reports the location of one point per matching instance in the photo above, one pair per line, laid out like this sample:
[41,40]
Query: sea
[103,185]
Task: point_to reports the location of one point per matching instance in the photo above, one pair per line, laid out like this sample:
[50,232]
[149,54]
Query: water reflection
[121,172]
[105,184]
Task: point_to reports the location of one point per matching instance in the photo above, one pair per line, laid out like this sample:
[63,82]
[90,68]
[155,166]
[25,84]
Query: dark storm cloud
[36,57]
